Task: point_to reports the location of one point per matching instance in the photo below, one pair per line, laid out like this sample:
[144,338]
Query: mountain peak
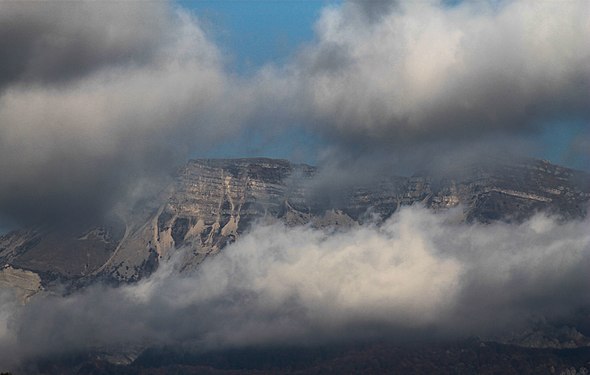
[213,202]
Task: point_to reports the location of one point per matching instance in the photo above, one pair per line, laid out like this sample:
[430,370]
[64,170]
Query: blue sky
[254,32]
[559,143]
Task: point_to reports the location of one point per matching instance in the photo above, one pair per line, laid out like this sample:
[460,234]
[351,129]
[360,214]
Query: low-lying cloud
[419,274]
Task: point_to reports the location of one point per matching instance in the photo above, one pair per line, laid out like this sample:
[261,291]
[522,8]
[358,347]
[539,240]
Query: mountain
[212,202]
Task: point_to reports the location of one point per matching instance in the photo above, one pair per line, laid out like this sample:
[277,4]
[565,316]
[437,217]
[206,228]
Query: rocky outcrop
[213,202]
[24,284]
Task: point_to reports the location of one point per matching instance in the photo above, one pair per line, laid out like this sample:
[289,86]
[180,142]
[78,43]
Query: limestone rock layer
[212,202]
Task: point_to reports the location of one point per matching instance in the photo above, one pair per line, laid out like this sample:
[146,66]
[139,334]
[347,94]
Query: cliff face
[213,202]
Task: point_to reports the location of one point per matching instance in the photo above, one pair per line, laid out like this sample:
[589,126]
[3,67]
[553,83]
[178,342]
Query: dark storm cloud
[419,273]
[51,42]
[96,99]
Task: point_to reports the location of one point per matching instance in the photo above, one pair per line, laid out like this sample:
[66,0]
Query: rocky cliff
[212,202]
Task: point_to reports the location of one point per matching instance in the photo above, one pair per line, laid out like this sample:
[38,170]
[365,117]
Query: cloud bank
[419,275]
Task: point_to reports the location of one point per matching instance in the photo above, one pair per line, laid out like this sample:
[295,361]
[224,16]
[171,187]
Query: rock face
[213,202]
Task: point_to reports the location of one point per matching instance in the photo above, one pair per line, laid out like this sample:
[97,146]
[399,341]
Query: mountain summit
[212,202]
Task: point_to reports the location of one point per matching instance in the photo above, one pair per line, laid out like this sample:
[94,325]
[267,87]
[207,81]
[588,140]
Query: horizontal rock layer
[213,202]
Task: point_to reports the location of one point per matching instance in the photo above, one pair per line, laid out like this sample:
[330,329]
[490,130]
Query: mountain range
[212,202]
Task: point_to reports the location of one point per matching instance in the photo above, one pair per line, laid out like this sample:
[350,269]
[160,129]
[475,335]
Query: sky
[118,95]
[254,33]
[114,94]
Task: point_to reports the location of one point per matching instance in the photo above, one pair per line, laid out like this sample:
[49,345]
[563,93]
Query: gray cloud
[96,98]
[418,272]
[373,10]
[52,42]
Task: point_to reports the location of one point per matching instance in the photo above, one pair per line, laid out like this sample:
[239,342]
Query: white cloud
[422,69]
[418,272]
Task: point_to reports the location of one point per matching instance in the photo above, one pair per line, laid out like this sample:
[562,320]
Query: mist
[418,276]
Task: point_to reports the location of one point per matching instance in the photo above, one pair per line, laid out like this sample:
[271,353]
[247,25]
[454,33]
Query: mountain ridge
[212,202]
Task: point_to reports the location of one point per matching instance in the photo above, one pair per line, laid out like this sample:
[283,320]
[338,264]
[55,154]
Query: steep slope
[213,202]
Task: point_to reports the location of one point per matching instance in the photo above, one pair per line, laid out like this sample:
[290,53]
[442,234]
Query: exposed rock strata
[213,202]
